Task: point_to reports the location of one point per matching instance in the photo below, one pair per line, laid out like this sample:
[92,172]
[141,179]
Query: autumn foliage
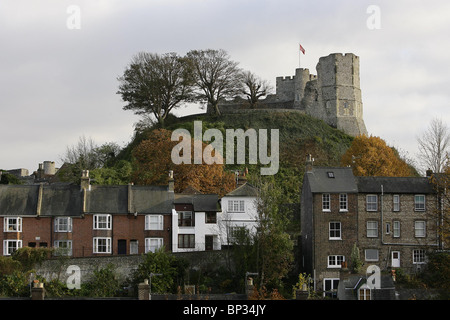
[371,156]
[153,161]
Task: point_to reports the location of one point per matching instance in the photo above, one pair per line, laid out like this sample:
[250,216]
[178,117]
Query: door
[209,243]
[121,246]
[395,259]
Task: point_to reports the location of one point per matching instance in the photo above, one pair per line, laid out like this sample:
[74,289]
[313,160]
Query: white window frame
[364,293]
[419,204]
[372,202]
[99,224]
[63,224]
[7,250]
[9,226]
[372,229]
[396,203]
[236,206]
[419,256]
[65,250]
[335,261]
[396,229]
[156,224]
[334,230]
[366,258]
[420,229]
[343,202]
[326,202]
[97,244]
[152,244]
[134,246]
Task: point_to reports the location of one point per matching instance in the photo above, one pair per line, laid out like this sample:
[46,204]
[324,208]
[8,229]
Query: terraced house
[391,221]
[89,220]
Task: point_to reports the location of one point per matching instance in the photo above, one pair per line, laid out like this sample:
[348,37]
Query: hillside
[299,134]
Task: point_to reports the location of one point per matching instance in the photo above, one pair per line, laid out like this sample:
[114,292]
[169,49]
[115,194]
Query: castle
[333,95]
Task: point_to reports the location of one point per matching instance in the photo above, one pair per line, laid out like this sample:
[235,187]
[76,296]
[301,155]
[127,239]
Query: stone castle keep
[333,95]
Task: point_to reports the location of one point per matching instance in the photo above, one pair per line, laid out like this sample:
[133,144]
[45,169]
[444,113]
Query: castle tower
[339,85]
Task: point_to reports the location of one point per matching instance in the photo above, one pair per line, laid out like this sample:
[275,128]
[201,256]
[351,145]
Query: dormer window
[330,174]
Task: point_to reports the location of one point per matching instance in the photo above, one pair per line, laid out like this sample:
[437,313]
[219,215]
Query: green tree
[160,262]
[104,283]
[156,84]
[216,75]
[274,247]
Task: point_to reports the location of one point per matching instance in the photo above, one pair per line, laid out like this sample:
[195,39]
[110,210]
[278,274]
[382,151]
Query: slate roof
[245,190]
[395,185]
[68,200]
[200,202]
[332,180]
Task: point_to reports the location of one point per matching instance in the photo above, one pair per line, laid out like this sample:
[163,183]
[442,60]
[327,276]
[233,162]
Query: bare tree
[434,145]
[254,88]
[156,84]
[217,76]
[81,154]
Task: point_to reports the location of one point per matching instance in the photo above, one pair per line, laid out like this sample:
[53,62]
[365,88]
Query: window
[388,227]
[419,202]
[396,202]
[63,224]
[343,205]
[186,241]
[372,202]
[330,287]
[396,229]
[236,206]
[154,222]
[102,221]
[364,294]
[418,256]
[186,219]
[9,246]
[335,231]
[335,261]
[134,246]
[237,233]
[419,229]
[102,245]
[326,202]
[371,254]
[372,229]
[12,224]
[63,247]
[153,244]
[330,174]
[211,217]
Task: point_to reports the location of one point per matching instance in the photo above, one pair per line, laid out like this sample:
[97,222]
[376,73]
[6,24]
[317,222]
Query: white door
[395,259]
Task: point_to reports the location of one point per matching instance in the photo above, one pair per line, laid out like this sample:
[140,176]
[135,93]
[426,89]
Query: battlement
[333,95]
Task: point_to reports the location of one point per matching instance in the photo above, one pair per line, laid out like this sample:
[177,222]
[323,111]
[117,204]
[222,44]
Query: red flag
[302,49]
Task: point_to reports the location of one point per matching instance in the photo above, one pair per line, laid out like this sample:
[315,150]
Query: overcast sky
[58,78]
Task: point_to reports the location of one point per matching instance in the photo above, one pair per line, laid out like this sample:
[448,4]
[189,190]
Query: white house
[195,223]
[238,211]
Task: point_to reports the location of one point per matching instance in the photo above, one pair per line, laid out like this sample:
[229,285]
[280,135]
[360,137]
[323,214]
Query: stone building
[390,220]
[333,95]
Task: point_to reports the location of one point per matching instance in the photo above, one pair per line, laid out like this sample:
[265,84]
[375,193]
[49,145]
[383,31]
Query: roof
[332,180]
[68,200]
[395,185]
[245,190]
[200,202]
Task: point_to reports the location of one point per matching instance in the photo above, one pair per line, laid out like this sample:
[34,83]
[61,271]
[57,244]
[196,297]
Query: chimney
[309,163]
[171,181]
[429,173]
[85,180]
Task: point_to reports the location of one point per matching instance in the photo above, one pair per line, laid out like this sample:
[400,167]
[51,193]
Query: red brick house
[86,220]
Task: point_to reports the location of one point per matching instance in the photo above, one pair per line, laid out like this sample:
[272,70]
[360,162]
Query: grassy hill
[299,134]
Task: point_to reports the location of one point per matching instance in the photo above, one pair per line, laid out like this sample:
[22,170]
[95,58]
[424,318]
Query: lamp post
[150,284]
